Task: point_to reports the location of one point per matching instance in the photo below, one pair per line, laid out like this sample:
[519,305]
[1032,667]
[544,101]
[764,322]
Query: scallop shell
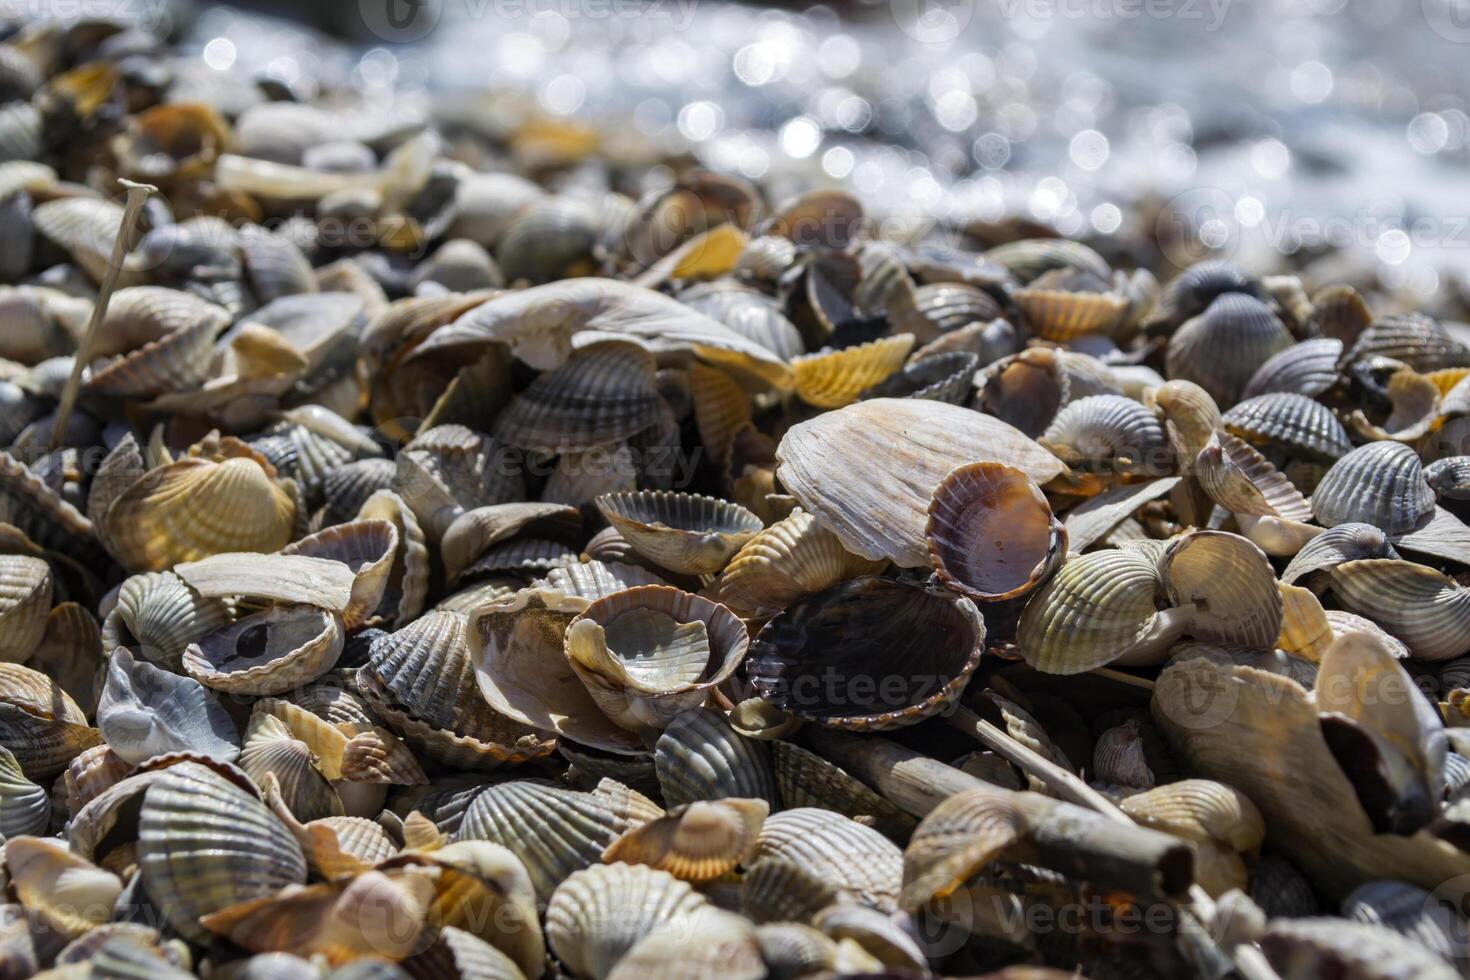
[1343,543]
[598,914]
[368,548]
[649,653]
[793,558]
[191,509]
[1061,315]
[554,831]
[1381,484]
[695,842]
[1098,608]
[806,779]
[686,533]
[955,841]
[25,808]
[604,393]
[700,756]
[857,863]
[596,579]
[868,654]
[522,672]
[991,533]
[1421,606]
[944,377]
[145,711]
[1221,348]
[1294,422]
[157,616]
[1229,582]
[25,601]
[869,470]
[1308,368]
[1243,482]
[205,844]
[832,379]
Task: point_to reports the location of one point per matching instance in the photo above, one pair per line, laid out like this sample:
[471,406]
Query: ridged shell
[1098,608]
[793,558]
[1416,339]
[1305,629]
[1190,415]
[1118,757]
[869,470]
[1308,368]
[683,532]
[1244,482]
[727,949]
[1281,890]
[457,953]
[553,831]
[955,840]
[1060,315]
[695,842]
[270,750]
[1381,484]
[1415,603]
[1192,291]
[1449,476]
[1415,410]
[171,349]
[700,757]
[407,588]
[598,914]
[157,615]
[191,509]
[550,238]
[1411,912]
[450,469]
[1343,543]
[869,654]
[48,520]
[368,548]
[40,723]
[857,862]
[1110,434]
[832,379]
[25,808]
[270,652]
[1295,422]
[1224,346]
[992,534]
[1028,258]
[604,393]
[596,579]
[146,711]
[1231,585]
[346,489]
[747,312]
[475,531]
[1200,810]
[25,601]
[943,377]
[205,844]
[61,891]
[805,779]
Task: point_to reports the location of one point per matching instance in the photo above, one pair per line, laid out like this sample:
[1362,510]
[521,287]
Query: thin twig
[137,194]
[1123,677]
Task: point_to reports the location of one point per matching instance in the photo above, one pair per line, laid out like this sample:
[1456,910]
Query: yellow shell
[793,558]
[836,378]
[697,842]
[684,532]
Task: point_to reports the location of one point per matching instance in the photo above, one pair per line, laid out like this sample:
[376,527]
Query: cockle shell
[1308,368]
[1294,422]
[1381,484]
[1222,347]
[25,808]
[852,862]
[792,558]
[1418,340]
[955,840]
[64,892]
[368,548]
[686,533]
[695,842]
[41,725]
[25,600]
[1322,946]
[1229,582]
[991,532]
[700,756]
[832,379]
[269,749]
[146,711]
[806,779]
[1108,433]
[1419,605]
[269,652]
[604,393]
[598,914]
[158,616]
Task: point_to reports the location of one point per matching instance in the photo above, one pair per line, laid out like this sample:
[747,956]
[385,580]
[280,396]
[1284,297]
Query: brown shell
[992,534]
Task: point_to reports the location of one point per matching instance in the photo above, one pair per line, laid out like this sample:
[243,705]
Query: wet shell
[604,393]
[955,840]
[25,601]
[553,831]
[368,548]
[793,558]
[1108,433]
[271,752]
[1221,348]
[25,808]
[943,377]
[1308,368]
[1381,484]
[992,534]
[598,914]
[857,863]
[832,379]
[1415,603]
[1417,340]
[191,509]
[145,711]
[157,616]
[1343,543]
[683,532]
[269,652]
[868,471]
[700,756]
[869,654]
[695,842]
[1229,582]
[1295,422]
[1098,608]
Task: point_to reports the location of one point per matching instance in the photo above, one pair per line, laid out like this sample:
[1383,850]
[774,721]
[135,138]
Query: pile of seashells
[452,566]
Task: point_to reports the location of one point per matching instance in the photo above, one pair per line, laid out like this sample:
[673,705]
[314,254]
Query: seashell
[700,756]
[805,779]
[205,844]
[1095,517]
[40,724]
[835,378]
[1027,389]
[1381,484]
[1340,313]
[1108,433]
[990,341]
[1062,314]
[1419,605]
[377,756]
[475,531]
[854,862]
[42,516]
[955,841]
[727,947]
[269,652]
[1449,477]
[449,469]
[604,393]
[1305,628]
[522,557]
[1419,341]
[1416,410]
[1190,416]
[1097,609]
[85,228]
[649,653]
[868,471]
[554,831]
[1281,890]
[1409,911]
[270,751]
[944,377]
[747,312]
[25,601]
[1295,422]
[157,616]
[146,711]
[1325,946]
[1119,757]
[179,360]
[686,533]
[25,808]
[1200,810]
[348,488]
[1229,582]
[598,914]
[991,533]
[457,953]
[368,549]
[1336,545]
[1308,368]
[869,654]
[1242,481]
[791,559]
[407,587]
[191,509]
[1028,258]
[1192,291]
[550,238]
[792,950]
[596,579]
[64,892]
[695,842]
[1222,347]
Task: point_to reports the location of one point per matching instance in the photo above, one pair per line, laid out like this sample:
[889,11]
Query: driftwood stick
[137,194]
